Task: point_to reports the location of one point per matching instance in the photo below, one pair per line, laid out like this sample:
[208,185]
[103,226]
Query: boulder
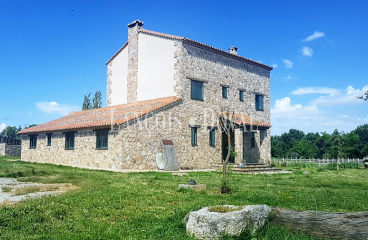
[204,224]
[198,187]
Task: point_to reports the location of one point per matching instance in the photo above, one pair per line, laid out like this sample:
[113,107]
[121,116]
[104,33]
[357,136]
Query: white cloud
[306,51]
[2,127]
[337,109]
[334,96]
[289,77]
[274,65]
[320,90]
[310,118]
[315,35]
[288,63]
[338,97]
[54,107]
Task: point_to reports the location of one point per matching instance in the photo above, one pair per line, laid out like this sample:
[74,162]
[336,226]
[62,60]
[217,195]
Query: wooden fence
[320,162]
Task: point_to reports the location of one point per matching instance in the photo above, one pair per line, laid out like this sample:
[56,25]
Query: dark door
[225,145]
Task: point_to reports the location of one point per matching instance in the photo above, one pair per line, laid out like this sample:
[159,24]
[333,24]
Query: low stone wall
[2,149]
[10,150]
[13,150]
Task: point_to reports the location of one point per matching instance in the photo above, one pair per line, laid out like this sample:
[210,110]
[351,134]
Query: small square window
[69,141]
[196,90]
[49,139]
[241,96]
[224,92]
[102,139]
[33,141]
[259,102]
[194,136]
[212,138]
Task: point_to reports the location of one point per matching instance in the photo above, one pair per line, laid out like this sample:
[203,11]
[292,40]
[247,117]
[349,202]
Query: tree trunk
[335,225]
[224,166]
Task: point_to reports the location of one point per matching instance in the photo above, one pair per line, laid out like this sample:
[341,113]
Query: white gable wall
[155,67]
[119,76]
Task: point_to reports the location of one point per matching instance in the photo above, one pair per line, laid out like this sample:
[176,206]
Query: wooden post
[337,164]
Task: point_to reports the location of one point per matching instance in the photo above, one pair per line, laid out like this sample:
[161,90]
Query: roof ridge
[121,49]
[224,53]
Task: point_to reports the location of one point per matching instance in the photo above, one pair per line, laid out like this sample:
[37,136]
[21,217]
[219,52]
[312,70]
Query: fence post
[337,164]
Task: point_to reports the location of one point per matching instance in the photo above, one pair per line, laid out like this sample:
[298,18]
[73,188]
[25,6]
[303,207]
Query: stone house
[161,86]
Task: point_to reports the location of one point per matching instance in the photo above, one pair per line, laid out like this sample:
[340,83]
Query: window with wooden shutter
[194,136]
[102,139]
[33,141]
[259,102]
[196,92]
[69,140]
[212,138]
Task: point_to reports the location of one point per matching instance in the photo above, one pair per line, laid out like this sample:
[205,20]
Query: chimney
[234,50]
[132,81]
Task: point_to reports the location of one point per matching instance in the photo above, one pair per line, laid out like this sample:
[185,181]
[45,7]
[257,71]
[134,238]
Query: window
[48,139]
[224,92]
[69,140]
[241,96]
[194,136]
[252,140]
[102,139]
[33,141]
[196,92]
[259,102]
[212,138]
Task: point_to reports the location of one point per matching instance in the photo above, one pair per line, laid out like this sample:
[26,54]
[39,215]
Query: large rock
[204,224]
[197,187]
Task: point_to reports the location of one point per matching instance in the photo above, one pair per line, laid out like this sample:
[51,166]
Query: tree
[226,126]
[87,102]
[11,132]
[96,101]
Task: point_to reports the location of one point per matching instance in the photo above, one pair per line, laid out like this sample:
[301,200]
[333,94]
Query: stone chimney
[234,50]
[132,81]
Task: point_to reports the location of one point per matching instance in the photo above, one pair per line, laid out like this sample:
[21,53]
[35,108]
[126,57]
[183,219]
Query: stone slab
[198,187]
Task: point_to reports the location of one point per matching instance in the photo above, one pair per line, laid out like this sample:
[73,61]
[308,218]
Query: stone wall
[2,149]
[13,150]
[216,70]
[10,150]
[84,154]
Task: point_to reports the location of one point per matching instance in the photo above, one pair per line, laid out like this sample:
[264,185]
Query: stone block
[204,224]
[198,187]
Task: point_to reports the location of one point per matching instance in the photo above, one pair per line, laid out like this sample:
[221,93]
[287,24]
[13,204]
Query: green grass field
[111,205]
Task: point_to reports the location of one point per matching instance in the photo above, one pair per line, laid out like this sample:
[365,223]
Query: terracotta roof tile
[101,117]
[241,119]
[161,34]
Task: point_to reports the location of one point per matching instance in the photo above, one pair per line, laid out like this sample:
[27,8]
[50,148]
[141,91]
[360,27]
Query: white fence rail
[320,162]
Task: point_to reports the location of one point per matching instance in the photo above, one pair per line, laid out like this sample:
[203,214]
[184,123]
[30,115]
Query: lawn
[110,205]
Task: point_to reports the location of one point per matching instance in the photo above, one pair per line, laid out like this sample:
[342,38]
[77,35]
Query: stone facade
[135,145]
[132,85]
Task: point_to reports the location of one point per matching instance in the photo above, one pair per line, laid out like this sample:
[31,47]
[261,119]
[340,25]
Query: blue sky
[51,56]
